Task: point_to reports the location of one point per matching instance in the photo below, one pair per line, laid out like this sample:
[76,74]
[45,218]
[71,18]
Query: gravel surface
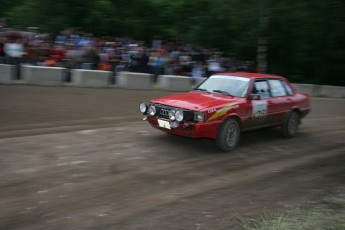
[81,158]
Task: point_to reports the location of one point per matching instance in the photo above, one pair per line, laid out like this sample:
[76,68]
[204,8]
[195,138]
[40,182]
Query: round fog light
[152,110]
[174,124]
[172,115]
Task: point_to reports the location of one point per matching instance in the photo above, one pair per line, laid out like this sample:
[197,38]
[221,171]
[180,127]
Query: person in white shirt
[14,52]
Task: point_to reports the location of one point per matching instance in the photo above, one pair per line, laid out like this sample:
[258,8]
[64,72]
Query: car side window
[288,88]
[277,88]
[261,87]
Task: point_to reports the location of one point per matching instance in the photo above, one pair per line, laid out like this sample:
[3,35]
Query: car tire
[290,124]
[228,135]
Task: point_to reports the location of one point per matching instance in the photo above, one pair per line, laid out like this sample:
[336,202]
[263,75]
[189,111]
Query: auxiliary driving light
[174,124]
[152,110]
[172,116]
[179,115]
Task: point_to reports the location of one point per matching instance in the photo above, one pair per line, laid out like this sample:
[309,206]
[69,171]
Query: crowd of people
[72,49]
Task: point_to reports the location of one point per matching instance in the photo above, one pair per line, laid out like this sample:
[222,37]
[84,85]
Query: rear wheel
[228,135]
[290,124]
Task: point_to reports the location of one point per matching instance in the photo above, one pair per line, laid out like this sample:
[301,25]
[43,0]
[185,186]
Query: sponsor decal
[222,111]
[259,109]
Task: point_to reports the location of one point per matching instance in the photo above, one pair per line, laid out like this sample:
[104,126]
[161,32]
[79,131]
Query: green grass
[329,215]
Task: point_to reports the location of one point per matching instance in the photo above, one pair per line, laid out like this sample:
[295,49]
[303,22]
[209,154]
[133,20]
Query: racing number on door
[259,109]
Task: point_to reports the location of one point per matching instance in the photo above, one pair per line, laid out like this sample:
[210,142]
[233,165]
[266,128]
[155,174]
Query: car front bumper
[189,129]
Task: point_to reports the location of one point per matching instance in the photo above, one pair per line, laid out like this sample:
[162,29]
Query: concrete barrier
[305,88]
[321,90]
[130,80]
[332,91]
[312,90]
[41,75]
[54,76]
[198,80]
[7,73]
[174,83]
[91,78]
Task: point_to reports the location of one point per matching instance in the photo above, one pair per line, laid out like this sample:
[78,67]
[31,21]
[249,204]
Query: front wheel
[228,135]
[290,124]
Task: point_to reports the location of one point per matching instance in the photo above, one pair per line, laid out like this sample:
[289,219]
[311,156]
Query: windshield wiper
[222,92]
[200,89]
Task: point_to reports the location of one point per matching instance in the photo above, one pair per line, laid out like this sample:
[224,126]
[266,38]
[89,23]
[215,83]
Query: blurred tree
[8,4]
[100,17]
[330,53]
[263,36]
[307,41]
[304,39]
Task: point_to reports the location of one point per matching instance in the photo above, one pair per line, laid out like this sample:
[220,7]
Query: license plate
[164,124]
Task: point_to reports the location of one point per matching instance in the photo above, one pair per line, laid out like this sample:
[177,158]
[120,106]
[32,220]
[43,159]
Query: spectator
[72,49]
[62,38]
[139,61]
[2,52]
[185,61]
[214,65]
[90,58]
[51,62]
[122,65]
[197,72]
[157,42]
[156,62]
[14,51]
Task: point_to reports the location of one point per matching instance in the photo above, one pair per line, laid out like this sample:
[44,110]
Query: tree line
[304,39]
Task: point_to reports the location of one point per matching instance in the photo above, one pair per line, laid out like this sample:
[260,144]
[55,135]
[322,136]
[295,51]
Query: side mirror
[253,96]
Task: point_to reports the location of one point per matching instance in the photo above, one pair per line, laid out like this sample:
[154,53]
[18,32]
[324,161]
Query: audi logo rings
[164,112]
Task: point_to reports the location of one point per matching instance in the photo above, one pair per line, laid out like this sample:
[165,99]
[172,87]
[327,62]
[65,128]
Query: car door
[280,101]
[260,110]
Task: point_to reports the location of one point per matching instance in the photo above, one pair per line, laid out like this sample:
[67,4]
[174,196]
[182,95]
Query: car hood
[196,101]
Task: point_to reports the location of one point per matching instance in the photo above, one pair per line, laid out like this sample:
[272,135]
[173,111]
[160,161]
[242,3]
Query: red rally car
[226,104]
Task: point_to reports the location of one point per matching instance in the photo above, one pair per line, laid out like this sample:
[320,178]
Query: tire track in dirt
[62,167]
[246,171]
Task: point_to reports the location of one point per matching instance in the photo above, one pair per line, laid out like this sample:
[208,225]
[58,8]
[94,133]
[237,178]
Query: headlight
[152,110]
[179,115]
[172,116]
[199,116]
[143,107]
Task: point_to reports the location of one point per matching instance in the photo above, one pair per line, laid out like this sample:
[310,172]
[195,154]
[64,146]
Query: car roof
[249,75]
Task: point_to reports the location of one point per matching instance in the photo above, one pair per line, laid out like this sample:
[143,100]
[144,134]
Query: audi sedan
[227,104]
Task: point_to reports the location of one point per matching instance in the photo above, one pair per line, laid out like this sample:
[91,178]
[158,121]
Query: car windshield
[227,85]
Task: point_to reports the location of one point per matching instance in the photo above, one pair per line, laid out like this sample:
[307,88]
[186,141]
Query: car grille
[162,111]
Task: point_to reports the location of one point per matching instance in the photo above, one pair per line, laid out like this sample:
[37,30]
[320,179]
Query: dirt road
[74,158]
